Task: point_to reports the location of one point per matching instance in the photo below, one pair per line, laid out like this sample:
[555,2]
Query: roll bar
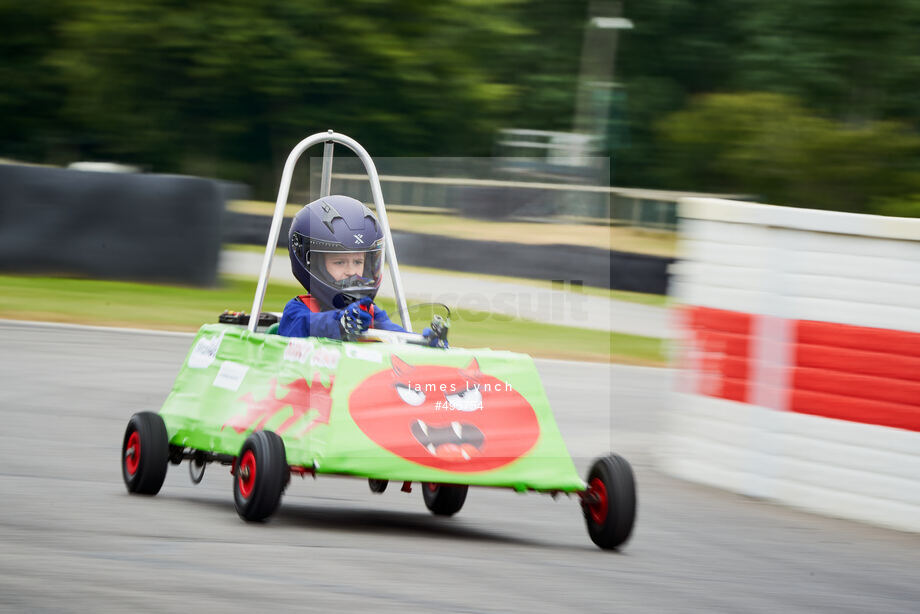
[329,139]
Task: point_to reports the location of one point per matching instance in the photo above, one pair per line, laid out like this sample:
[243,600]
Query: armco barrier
[799,358]
[109,225]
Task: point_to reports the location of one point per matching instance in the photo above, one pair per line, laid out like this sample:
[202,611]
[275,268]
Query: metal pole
[595,80]
[326,183]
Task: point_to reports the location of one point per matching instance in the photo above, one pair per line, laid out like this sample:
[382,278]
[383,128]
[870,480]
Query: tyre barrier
[799,358]
[109,225]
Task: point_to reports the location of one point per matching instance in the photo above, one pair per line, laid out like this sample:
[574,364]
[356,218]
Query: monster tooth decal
[454,436]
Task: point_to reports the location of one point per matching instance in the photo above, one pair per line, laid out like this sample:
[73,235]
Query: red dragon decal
[445,417]
[301,397]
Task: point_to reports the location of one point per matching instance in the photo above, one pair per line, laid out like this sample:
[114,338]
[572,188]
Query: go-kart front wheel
[609,503]
[444,499]
[145,453]
[260,477]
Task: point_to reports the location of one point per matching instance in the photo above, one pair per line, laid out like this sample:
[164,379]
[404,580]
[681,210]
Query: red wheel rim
[246,474]
[432,487]
[597,505]
[133,453]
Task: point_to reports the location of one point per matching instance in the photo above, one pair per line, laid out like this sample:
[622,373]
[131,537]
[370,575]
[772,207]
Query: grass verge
[163,307]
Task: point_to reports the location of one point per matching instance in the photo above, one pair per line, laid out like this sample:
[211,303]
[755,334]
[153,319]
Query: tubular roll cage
[329,139]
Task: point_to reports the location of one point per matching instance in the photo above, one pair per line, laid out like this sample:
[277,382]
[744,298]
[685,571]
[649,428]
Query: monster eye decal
[410,396]
[465,400]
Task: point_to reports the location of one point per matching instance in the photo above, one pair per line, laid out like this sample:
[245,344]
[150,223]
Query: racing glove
[436,334]
[356,318]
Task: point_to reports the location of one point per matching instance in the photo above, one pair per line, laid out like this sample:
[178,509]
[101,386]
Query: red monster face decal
[445,417]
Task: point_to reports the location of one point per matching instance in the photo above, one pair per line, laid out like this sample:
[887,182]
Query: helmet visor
[352,272]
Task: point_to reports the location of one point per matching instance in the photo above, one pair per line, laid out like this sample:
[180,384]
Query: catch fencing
[494,198]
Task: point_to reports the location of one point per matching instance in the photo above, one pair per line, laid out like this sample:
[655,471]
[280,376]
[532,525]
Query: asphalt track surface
[72,539]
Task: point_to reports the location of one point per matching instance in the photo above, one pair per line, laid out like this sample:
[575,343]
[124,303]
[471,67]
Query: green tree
[220,87]
[854,60]
[677,49]
[31,88]
[768,146]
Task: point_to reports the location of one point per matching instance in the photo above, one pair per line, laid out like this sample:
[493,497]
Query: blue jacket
[298,320]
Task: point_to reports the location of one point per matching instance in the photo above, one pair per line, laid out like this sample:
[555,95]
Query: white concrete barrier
[799,348]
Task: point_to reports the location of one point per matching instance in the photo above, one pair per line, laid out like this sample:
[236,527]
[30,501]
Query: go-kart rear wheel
[609,503]
[377,486]
[145,453]
[444,499]
[261,474]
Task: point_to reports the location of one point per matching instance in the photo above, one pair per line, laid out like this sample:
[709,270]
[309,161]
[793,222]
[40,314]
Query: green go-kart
[395,410]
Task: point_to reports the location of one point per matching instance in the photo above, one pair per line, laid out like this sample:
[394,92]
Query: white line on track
[115,329]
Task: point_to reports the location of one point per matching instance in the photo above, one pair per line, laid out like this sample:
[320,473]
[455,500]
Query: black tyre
[261,474]
[609,503]
[377,486]
[145,453]
[444,499]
